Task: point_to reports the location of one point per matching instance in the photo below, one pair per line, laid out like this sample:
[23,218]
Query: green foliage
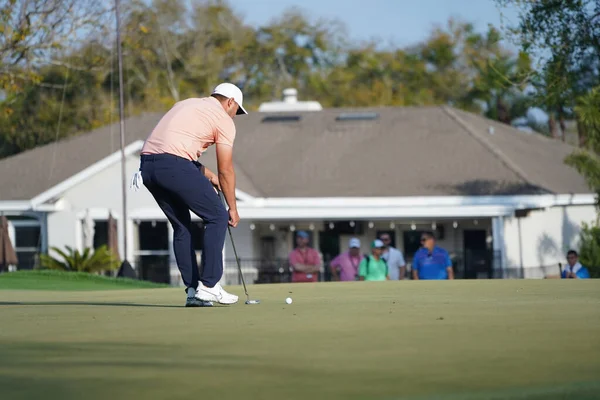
[101,259]
[564,36]
[168,58]
[33,31]
[587,159]
[589,249]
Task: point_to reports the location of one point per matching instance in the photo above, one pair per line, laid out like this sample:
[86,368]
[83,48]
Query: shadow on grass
[106,370]
[83,303]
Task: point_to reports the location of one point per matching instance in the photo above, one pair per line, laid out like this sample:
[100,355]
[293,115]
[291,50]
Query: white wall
[62,229]
[103,192]
[244,242]
[541,240]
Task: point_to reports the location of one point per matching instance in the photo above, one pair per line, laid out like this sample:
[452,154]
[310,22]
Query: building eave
[385,208]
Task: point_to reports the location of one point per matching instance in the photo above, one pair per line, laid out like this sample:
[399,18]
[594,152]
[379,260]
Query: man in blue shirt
[431,261]
[573,269]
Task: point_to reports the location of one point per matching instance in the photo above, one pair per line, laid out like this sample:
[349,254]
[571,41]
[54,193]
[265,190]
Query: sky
[398,22]
[395,22]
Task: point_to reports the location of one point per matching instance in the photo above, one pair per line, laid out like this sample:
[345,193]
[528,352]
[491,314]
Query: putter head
[252,301]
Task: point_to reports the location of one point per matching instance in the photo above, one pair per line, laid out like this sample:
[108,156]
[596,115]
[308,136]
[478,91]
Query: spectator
[431,261]
[574,269]
[347,263]
[393,257]
[373,267]
[304,260]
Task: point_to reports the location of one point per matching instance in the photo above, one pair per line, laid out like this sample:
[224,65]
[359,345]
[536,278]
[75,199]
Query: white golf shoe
[216,293]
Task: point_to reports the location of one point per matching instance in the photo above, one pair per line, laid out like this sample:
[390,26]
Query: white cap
[354,242]
[377,243]
[229,90]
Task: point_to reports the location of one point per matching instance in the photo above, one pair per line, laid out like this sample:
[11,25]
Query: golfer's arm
[226,174]
[402,271]
[450,272]
[208,173]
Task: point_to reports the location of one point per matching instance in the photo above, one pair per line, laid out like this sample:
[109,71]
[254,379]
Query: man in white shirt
[393,257]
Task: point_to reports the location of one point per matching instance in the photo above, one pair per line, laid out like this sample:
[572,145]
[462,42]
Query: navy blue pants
[179,186]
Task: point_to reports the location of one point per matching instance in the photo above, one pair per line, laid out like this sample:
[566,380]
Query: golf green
[496,339]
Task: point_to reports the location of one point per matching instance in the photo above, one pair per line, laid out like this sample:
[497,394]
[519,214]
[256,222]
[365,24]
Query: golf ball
[288,300]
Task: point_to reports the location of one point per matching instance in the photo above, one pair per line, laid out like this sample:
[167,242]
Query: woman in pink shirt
[347,263]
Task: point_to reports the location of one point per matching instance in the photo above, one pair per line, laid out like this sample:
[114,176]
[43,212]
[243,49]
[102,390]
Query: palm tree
[101,259]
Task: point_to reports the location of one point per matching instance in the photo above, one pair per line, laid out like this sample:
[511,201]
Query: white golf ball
[288,300]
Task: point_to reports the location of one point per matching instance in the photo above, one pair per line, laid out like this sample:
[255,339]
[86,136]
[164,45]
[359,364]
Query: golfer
[179,184]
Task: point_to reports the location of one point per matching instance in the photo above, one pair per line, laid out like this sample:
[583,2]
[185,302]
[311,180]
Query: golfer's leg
[215,222]
[186,180]
[203,201]
[179,217]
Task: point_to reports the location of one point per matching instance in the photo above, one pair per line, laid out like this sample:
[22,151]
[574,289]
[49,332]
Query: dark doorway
[412,243]
[477,257]
[329,245]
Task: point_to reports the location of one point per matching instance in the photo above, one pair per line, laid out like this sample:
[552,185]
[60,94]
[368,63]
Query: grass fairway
[497,339]
[59,280]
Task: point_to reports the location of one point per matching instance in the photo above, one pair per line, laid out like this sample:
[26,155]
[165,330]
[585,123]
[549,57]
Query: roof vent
[281,118]
[365,116]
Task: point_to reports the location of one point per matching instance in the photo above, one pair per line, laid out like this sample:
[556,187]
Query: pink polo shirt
[307,257]
[347,265]
[189,127]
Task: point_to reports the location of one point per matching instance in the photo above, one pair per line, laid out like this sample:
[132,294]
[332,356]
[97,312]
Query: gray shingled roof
[407,151]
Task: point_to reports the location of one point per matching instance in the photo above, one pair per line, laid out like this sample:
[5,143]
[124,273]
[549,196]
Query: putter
[237,260]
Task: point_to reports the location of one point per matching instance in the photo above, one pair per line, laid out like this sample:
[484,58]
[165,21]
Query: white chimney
[290,95]
[290,103]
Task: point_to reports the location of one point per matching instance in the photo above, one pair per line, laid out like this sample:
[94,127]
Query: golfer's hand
[215,182]
[234,218]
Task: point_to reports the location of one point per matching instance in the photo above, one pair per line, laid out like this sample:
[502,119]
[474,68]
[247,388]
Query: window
[27,243]
[153,254]
[27,236]
[154,268]
[154,235]
[282,118]
[366,116]
[267,248]
[412,243]
[100,233]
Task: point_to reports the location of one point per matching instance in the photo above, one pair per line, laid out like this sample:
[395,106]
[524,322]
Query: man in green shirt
[373,267]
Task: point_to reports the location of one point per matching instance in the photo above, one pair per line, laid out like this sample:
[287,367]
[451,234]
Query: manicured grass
[60,280]
[503,339]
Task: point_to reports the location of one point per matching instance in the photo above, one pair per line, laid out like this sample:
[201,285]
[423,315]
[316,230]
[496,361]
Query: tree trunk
[552,126]
[580,132]
[561,122]
[502,112]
